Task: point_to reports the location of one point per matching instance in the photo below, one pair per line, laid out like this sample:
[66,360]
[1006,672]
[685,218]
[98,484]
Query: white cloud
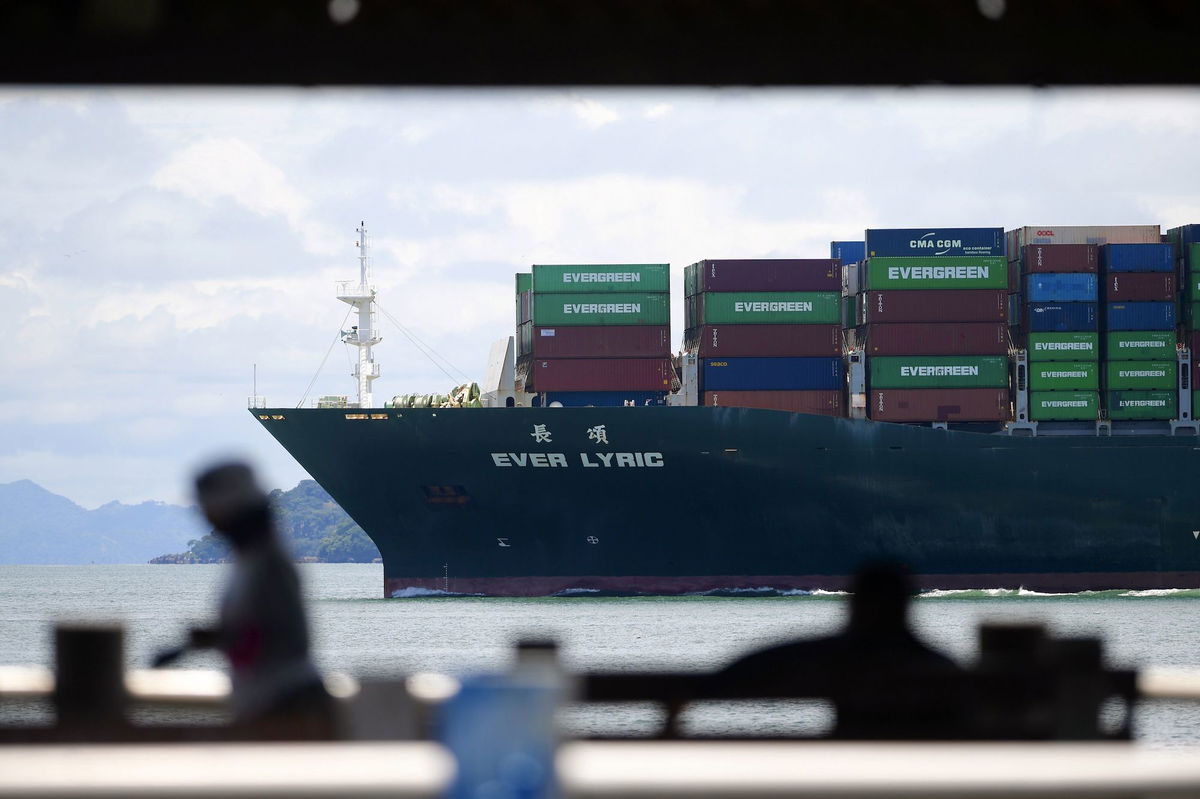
[593,113]
[218,168]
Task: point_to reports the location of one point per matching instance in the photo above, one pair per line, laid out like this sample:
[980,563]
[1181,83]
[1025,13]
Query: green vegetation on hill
[312,526]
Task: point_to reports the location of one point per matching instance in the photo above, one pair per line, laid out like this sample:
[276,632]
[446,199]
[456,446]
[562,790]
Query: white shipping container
[1079,234]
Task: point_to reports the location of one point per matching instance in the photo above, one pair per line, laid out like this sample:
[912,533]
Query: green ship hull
[669,500]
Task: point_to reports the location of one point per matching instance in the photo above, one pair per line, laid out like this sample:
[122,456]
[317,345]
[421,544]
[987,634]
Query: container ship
[994,409]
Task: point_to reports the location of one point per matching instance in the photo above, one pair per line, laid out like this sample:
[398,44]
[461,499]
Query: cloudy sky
[156,245]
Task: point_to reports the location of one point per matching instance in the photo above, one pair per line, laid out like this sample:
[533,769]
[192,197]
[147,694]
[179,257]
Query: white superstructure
[364,335]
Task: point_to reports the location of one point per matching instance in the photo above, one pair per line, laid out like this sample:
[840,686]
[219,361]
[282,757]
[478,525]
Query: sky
[165,253]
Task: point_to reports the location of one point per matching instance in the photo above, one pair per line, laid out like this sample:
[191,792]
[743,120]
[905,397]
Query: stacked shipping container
[1058,323]
[1186,241]
[1052,318]
[1140,312]
[931,313]
[596,334]
[766,333]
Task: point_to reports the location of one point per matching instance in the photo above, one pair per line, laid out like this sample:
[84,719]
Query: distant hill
[311,524]
[37,526]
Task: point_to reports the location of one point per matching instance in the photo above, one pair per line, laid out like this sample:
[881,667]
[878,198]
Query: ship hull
[529,502]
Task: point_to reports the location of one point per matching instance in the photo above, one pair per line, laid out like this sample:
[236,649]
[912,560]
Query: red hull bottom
[549,586]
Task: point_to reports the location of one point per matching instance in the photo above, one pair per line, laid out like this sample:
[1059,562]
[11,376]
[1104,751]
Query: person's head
[881,593]
[233,503]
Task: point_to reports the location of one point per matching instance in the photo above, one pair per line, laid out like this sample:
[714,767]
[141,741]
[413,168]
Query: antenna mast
[364,335]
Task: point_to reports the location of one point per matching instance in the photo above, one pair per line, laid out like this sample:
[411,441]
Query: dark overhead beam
[600,42]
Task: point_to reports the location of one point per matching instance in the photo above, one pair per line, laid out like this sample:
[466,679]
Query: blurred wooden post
[89,688]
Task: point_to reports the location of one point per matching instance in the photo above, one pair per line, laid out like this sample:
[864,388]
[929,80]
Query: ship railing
[210,687]
[257,401]
[354,290]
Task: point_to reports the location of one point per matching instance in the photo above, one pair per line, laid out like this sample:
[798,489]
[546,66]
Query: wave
[1153,592]
[413,592]
[1026,593]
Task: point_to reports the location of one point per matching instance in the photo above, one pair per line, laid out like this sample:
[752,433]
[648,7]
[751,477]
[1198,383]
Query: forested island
[312,526]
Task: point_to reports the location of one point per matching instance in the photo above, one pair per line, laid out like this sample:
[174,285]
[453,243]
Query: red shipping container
[974,305]
[968,338]
[601,374]
[940,405]
[1140,287]
[824,403]
[614,341]
[792,274]
[765,341]
[1060,258]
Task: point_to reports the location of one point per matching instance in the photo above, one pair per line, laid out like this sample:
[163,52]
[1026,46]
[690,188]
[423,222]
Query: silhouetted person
[262,627]
[883,680]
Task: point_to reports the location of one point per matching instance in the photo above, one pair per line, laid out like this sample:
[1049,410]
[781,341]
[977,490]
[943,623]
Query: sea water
[357,631]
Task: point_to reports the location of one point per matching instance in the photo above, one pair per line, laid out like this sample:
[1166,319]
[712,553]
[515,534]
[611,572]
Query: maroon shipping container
[824,403]
[601,374]
[965,338]
[1193,340]
[974,305]
[940,405]
[1140,287]
[1060,258]
[614,341]
[792,274]
[765,341]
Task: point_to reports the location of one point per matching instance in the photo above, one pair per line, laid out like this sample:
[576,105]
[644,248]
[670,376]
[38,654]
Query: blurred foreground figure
[262,627]
[883,680]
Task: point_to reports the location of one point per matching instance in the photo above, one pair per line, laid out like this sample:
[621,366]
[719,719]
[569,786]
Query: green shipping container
[1139,375]
[849,312]
[1191,316]
[601,309]
[1191,287]
[600,278]
[939,371]
[1140,345]
[524,283]
[1050,406]
[1195,403]
[768,308]
[946,272]
[1064,346]
[1123,405]
[1064,376]
[1192,257]
[689,279]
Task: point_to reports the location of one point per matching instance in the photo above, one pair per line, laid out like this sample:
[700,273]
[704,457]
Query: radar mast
[364,335]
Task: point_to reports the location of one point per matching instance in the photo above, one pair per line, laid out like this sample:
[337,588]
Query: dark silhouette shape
[262,627]
[883,680]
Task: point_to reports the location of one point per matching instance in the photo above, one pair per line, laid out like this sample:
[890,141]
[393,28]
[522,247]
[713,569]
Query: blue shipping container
[1062,317]
[1060,287]
[1137,257]
[1140,316]
[602,399]
[763,374]
[851,252]
[922,242]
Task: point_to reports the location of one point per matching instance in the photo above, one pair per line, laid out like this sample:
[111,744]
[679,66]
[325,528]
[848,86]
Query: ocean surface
[358,632]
